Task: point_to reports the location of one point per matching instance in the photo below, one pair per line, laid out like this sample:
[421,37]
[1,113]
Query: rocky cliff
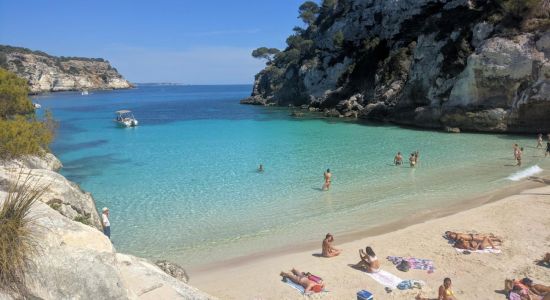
[46,73]
[480,65]
[75,260]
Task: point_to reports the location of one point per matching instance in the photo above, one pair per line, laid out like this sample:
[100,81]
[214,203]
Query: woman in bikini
[369,262]
[474,244]
[304,280]
[445,292]
[327,175]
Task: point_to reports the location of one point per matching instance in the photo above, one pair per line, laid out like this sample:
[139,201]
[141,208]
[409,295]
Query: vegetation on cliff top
[21,133]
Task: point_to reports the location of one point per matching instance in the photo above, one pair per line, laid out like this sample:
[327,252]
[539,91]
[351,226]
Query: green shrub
[17,238]
[83,220]
[20,136]
[338,39]
[14,98]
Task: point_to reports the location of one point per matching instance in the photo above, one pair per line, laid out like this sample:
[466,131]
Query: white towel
[487,250]
[386,278]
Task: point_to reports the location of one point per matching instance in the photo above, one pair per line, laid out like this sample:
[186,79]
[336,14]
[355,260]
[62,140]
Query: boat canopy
[120,112]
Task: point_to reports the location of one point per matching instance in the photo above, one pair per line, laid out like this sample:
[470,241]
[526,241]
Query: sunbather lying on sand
[369,261]
[455,236]
[474,245]
[304,280]
[537,289]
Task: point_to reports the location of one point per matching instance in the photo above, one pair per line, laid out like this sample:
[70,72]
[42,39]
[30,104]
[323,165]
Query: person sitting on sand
[327,175]
[304,280]
[537,289]
[369,262]
[545,261]
[473,245]
[445,292]
[398,159]
[327,249]
[455,236]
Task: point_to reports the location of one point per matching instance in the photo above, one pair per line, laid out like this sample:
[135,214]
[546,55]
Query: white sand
[522,220]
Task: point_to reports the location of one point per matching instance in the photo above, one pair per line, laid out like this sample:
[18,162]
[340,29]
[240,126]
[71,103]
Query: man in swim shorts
[398,159]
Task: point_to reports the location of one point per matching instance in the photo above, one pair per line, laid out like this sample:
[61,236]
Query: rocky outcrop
[432,63]
[46,73]
[75,260]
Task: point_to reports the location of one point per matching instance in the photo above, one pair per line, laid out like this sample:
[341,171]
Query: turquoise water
[183,185]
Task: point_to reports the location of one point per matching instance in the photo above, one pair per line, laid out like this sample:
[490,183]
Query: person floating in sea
[261,168]
[398,159]
[327,249]
[519,153]
[412,160]
[327,175]
[539,141]
[105,222]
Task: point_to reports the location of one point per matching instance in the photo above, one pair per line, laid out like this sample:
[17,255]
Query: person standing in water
[327,175]
[547,149]
[412,160]
[539,141]
[516,149]
[398,159]
[518,156]
[261,168]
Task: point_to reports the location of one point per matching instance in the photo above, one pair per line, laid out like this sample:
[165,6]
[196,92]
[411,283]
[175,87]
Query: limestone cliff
[479,65]
[75,260]
[46,73]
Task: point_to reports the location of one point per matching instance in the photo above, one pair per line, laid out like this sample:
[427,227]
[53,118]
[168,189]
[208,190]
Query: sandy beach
[522,220]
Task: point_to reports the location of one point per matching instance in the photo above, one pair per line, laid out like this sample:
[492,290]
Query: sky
[186,41]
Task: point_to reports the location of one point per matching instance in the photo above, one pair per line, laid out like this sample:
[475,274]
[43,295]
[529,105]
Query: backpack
[403,266]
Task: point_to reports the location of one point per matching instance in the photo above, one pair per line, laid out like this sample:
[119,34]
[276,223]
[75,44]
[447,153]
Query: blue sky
[193,42]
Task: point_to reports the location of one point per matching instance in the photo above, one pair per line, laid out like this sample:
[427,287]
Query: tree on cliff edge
[309,11]
[265,53]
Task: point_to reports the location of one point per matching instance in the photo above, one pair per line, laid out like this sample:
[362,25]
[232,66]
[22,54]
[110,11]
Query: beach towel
[301,288]
[385,278]
[487,250]
[415,263]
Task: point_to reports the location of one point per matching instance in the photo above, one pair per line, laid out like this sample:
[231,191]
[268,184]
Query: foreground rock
[436,64]
[46,73]
[75,260]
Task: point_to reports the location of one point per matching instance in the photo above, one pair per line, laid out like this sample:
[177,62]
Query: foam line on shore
[517,176]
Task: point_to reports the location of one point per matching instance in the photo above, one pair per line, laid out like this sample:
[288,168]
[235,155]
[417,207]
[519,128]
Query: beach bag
[403,266]
[365,295]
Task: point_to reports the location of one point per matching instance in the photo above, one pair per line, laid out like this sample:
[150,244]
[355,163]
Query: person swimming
[398,159]
[327,176]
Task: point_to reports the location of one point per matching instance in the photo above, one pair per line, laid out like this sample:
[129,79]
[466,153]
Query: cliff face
[46,73]
[75,259]
[430,63]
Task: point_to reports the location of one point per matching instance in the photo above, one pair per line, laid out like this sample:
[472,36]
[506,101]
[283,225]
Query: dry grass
[17,237]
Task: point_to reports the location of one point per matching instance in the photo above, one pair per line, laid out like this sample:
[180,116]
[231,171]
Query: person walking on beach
[398,159]
[539,141]
[519,153]
[327,249]
[327,175]
[105,222]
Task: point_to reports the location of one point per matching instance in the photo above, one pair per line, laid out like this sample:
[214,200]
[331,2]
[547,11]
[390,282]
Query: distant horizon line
[181,83]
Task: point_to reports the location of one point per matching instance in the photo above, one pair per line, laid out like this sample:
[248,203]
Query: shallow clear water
[183,185]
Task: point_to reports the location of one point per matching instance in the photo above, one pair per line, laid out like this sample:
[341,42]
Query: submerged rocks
[173,270]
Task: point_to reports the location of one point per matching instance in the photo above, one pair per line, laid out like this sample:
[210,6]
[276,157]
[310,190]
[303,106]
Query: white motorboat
[84,92]
[37,106]
[125,118]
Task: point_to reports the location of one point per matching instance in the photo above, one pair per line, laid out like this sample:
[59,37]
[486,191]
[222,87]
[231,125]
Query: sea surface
[183,185]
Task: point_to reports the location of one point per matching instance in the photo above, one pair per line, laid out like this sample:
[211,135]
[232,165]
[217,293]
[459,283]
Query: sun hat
[104,209]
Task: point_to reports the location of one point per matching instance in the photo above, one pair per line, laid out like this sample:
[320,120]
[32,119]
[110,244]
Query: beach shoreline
[225,279]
